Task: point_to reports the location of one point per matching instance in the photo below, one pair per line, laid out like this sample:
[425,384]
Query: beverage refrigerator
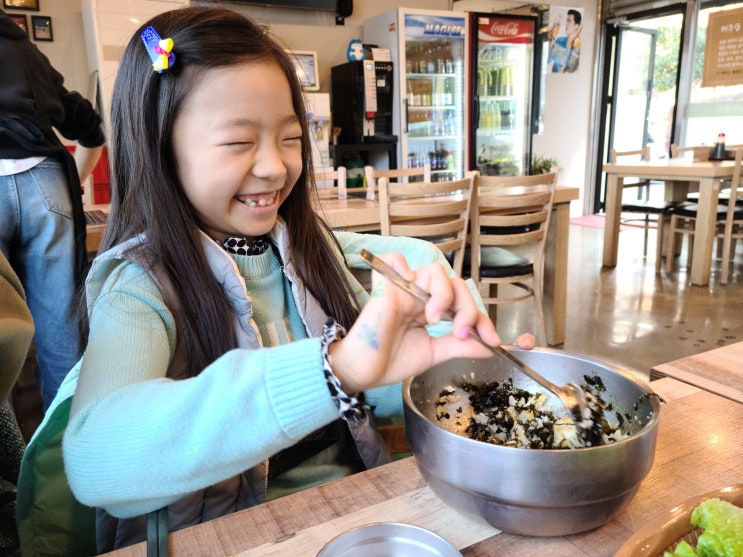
[503,91]
[427,50]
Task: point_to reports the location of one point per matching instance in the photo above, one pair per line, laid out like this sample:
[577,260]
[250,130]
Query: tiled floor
[628,316]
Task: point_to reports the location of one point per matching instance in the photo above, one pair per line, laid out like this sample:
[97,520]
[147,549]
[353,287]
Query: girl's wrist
[349,405]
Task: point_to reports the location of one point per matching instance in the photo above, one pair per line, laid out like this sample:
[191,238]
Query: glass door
[434,91]
[502,76]
[627,95]
[633,84]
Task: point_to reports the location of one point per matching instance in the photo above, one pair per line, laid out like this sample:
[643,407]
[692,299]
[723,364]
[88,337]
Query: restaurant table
[699,449]
[719,371]
[677,173]
[358,214]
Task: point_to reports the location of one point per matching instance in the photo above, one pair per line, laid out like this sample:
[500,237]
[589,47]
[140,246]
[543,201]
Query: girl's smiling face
[238,148]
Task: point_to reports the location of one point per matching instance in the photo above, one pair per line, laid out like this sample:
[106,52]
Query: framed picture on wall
[21,5]
[20,20]
[41,26]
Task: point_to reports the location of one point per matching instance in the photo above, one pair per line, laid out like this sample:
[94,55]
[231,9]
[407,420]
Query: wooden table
[678,172]
[719,371]
[699,449]
[357,214]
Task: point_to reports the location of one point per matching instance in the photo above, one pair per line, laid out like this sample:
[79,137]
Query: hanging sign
[723,50]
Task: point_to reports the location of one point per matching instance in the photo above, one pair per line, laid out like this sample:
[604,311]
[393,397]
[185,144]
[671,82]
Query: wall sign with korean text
[723,50]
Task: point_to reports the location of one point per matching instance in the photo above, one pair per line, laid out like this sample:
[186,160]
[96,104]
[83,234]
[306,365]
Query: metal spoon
[585,414]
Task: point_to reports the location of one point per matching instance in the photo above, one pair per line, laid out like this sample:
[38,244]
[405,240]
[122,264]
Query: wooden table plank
[719,371]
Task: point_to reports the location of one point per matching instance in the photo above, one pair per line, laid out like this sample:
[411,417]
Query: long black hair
[147,196]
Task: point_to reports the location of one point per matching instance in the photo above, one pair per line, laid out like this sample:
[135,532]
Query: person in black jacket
[42,224]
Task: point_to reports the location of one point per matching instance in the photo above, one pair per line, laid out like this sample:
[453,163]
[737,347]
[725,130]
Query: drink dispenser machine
[361,97]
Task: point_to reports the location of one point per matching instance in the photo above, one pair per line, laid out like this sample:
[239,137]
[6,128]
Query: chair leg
[671,245]
[645,239]
[689,247]
[539,308]
[493,308]
[728,255]
[661,222]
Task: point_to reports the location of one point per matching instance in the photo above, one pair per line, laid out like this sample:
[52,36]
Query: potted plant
[542,165]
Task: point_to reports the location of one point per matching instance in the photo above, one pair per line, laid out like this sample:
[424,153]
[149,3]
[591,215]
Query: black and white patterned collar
[241,246]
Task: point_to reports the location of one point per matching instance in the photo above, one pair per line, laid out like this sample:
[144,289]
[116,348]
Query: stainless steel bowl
[526,491]
[390,539]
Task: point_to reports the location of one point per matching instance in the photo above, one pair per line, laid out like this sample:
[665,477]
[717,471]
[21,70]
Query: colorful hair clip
[160,50]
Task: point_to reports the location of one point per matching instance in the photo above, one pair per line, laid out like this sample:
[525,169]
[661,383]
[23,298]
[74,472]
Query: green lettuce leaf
[723,528]
[683,549]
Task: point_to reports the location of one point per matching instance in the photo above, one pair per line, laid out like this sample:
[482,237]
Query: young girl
[216,367]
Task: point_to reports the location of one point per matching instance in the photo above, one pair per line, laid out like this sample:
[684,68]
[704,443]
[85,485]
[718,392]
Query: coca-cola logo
[510,28]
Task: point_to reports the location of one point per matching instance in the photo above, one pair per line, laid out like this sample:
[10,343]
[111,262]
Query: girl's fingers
[526,341]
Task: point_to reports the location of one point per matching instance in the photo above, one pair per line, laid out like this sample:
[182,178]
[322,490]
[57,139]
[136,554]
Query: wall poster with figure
[564,39]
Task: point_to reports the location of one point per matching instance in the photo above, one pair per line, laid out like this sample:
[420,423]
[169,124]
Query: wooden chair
[637,154]
[697,152]
[422,173]
[701,153]
[509,224]
[729,222]
[332,181]
[654,213]
[434,211]
[732,229]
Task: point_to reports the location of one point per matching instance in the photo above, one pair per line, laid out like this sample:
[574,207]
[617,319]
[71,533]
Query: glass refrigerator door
[503,80]
[434,93]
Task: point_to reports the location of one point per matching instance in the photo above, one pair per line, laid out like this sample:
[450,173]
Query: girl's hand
[389,341]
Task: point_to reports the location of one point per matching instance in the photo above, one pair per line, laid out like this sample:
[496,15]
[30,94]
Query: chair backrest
[698,152]
[727,236]
[435,211]
[332,181]
[643,154]
[735,190]
[511,212]
[372,175]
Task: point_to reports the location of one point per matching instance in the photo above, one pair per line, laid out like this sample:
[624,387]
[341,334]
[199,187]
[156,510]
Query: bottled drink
[495,82]
[430,62]
[448,92]
[421,60]
[483,80]
[511,89]
[496,116]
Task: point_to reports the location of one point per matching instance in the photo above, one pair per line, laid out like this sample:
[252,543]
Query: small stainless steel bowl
[526,491]
[391,539]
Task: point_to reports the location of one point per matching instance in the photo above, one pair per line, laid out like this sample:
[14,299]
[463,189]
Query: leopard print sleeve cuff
[350,408]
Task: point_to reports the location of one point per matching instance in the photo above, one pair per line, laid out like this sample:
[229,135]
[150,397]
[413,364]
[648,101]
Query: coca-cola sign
[509,28]
[495,29]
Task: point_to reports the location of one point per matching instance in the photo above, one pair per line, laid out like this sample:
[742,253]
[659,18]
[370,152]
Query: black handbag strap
[157,533]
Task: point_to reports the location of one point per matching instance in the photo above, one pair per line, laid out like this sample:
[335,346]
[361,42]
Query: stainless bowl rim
[427,537]
[654,400]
